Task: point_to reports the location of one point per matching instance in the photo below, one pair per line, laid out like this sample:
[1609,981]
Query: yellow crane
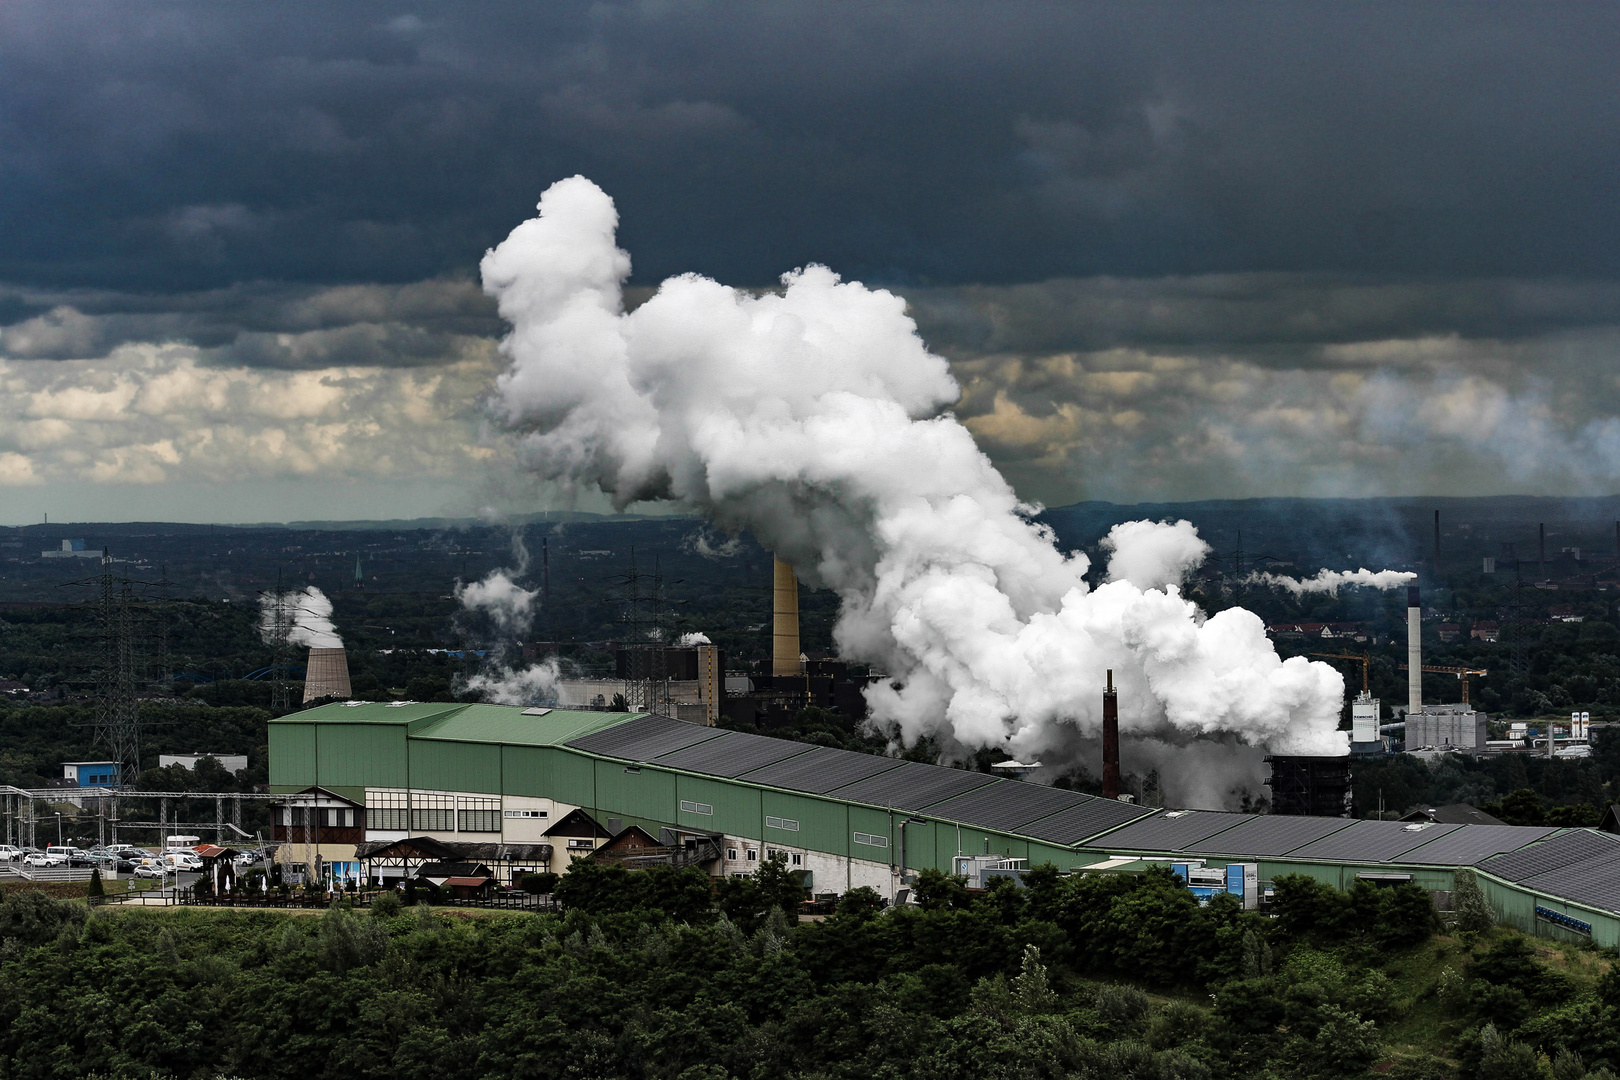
[1366,665]
[1462,674]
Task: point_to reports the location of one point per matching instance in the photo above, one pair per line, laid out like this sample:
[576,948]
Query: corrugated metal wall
[455,766]
[292,756]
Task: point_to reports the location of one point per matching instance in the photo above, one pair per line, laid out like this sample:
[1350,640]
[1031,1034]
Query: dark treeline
[652,974]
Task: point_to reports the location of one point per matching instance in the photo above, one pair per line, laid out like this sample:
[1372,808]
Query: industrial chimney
[785,624]
[1110,776]
[1414,652]
[326,674]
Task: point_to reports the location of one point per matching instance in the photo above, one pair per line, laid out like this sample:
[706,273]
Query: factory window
[577,845]
[731,854]
[753,856]
[337,818]
[797,860]
[525,813]
[386,810]
[783,823]
[433,813]
[479,815]
[688,807]
[871,839]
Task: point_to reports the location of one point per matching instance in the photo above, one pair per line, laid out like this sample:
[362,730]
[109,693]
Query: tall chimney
[785,623]
[1414,651]
[1110,777]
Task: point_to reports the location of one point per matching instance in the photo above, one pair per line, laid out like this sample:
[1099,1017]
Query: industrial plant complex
[508,777]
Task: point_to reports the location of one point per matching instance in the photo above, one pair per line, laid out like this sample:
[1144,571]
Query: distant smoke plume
[510,609]
[687,641]
[509,605]
[1331,581]
[813,418]
[306,618]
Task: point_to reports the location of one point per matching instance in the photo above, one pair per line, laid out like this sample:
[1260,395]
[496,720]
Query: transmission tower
[117,723]
[280,631]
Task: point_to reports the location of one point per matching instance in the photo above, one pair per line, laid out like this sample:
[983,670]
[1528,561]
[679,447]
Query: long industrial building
[507,779]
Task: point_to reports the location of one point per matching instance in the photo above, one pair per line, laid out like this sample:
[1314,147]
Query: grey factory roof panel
[644,738]
[1006,804]
[1270,835]
[1594,881]
[821,770]
[1082,820]
[1372,841]
[912,786]
[1554,853]
[1174,830]
[1471,843]
[732,754]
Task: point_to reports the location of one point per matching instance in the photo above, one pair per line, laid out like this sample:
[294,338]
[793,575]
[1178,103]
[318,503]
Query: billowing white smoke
[813,419]
[305,617]
[1331,581]
[696,637]
[536,684]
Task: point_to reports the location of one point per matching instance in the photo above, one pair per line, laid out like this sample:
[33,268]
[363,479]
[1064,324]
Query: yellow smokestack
[785,623]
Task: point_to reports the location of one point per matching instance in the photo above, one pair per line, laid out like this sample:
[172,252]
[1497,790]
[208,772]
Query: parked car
[9,853]
[184,860]
[58,854]
[149,870]
[39,859]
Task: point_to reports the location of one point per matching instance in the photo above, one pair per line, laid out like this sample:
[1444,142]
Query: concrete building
[1446,727]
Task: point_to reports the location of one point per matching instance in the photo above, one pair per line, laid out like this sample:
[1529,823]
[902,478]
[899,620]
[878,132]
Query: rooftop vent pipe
[1110,776]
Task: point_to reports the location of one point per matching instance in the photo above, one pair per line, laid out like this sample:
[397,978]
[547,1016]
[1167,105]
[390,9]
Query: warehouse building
[517,780]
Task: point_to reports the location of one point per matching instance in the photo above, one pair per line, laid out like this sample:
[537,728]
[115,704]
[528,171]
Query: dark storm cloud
[185,147]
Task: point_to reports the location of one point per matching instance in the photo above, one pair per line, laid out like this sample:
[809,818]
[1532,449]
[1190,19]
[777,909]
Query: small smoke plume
[305,617]
[533,685]
[509,605]
[698,543]
[1331,581]
[510,609]
[814,418]
[696,637]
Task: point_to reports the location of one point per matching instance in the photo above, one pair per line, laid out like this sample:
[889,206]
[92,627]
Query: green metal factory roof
[450,722]
[518,727]
[370,712]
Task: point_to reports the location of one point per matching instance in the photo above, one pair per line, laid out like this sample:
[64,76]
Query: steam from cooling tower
[692,640]
[814,419]
[304,615]
[1331,581]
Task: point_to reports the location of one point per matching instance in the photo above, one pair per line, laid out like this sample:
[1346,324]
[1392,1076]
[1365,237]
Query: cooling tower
[785,623]
[326,675]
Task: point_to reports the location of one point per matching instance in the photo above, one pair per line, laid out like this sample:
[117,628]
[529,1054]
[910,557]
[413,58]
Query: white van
[9,853]
[182,842]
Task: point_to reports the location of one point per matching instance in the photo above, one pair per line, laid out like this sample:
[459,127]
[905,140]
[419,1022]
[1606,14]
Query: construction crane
[1462,674]
[1366,666]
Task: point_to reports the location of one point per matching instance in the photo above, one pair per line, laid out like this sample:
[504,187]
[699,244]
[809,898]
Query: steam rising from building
[814,419]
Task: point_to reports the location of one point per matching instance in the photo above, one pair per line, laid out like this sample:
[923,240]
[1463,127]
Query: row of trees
[659,974]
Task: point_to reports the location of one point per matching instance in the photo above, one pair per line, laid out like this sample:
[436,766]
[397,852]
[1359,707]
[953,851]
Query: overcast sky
[1171,251]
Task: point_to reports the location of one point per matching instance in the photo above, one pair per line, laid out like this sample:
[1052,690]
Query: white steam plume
[306,618]
[1331,581]
[696,637]
[533,685]
[509,605]
[813,419]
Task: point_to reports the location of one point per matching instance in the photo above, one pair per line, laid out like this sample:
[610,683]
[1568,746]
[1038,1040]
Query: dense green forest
[653,974]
